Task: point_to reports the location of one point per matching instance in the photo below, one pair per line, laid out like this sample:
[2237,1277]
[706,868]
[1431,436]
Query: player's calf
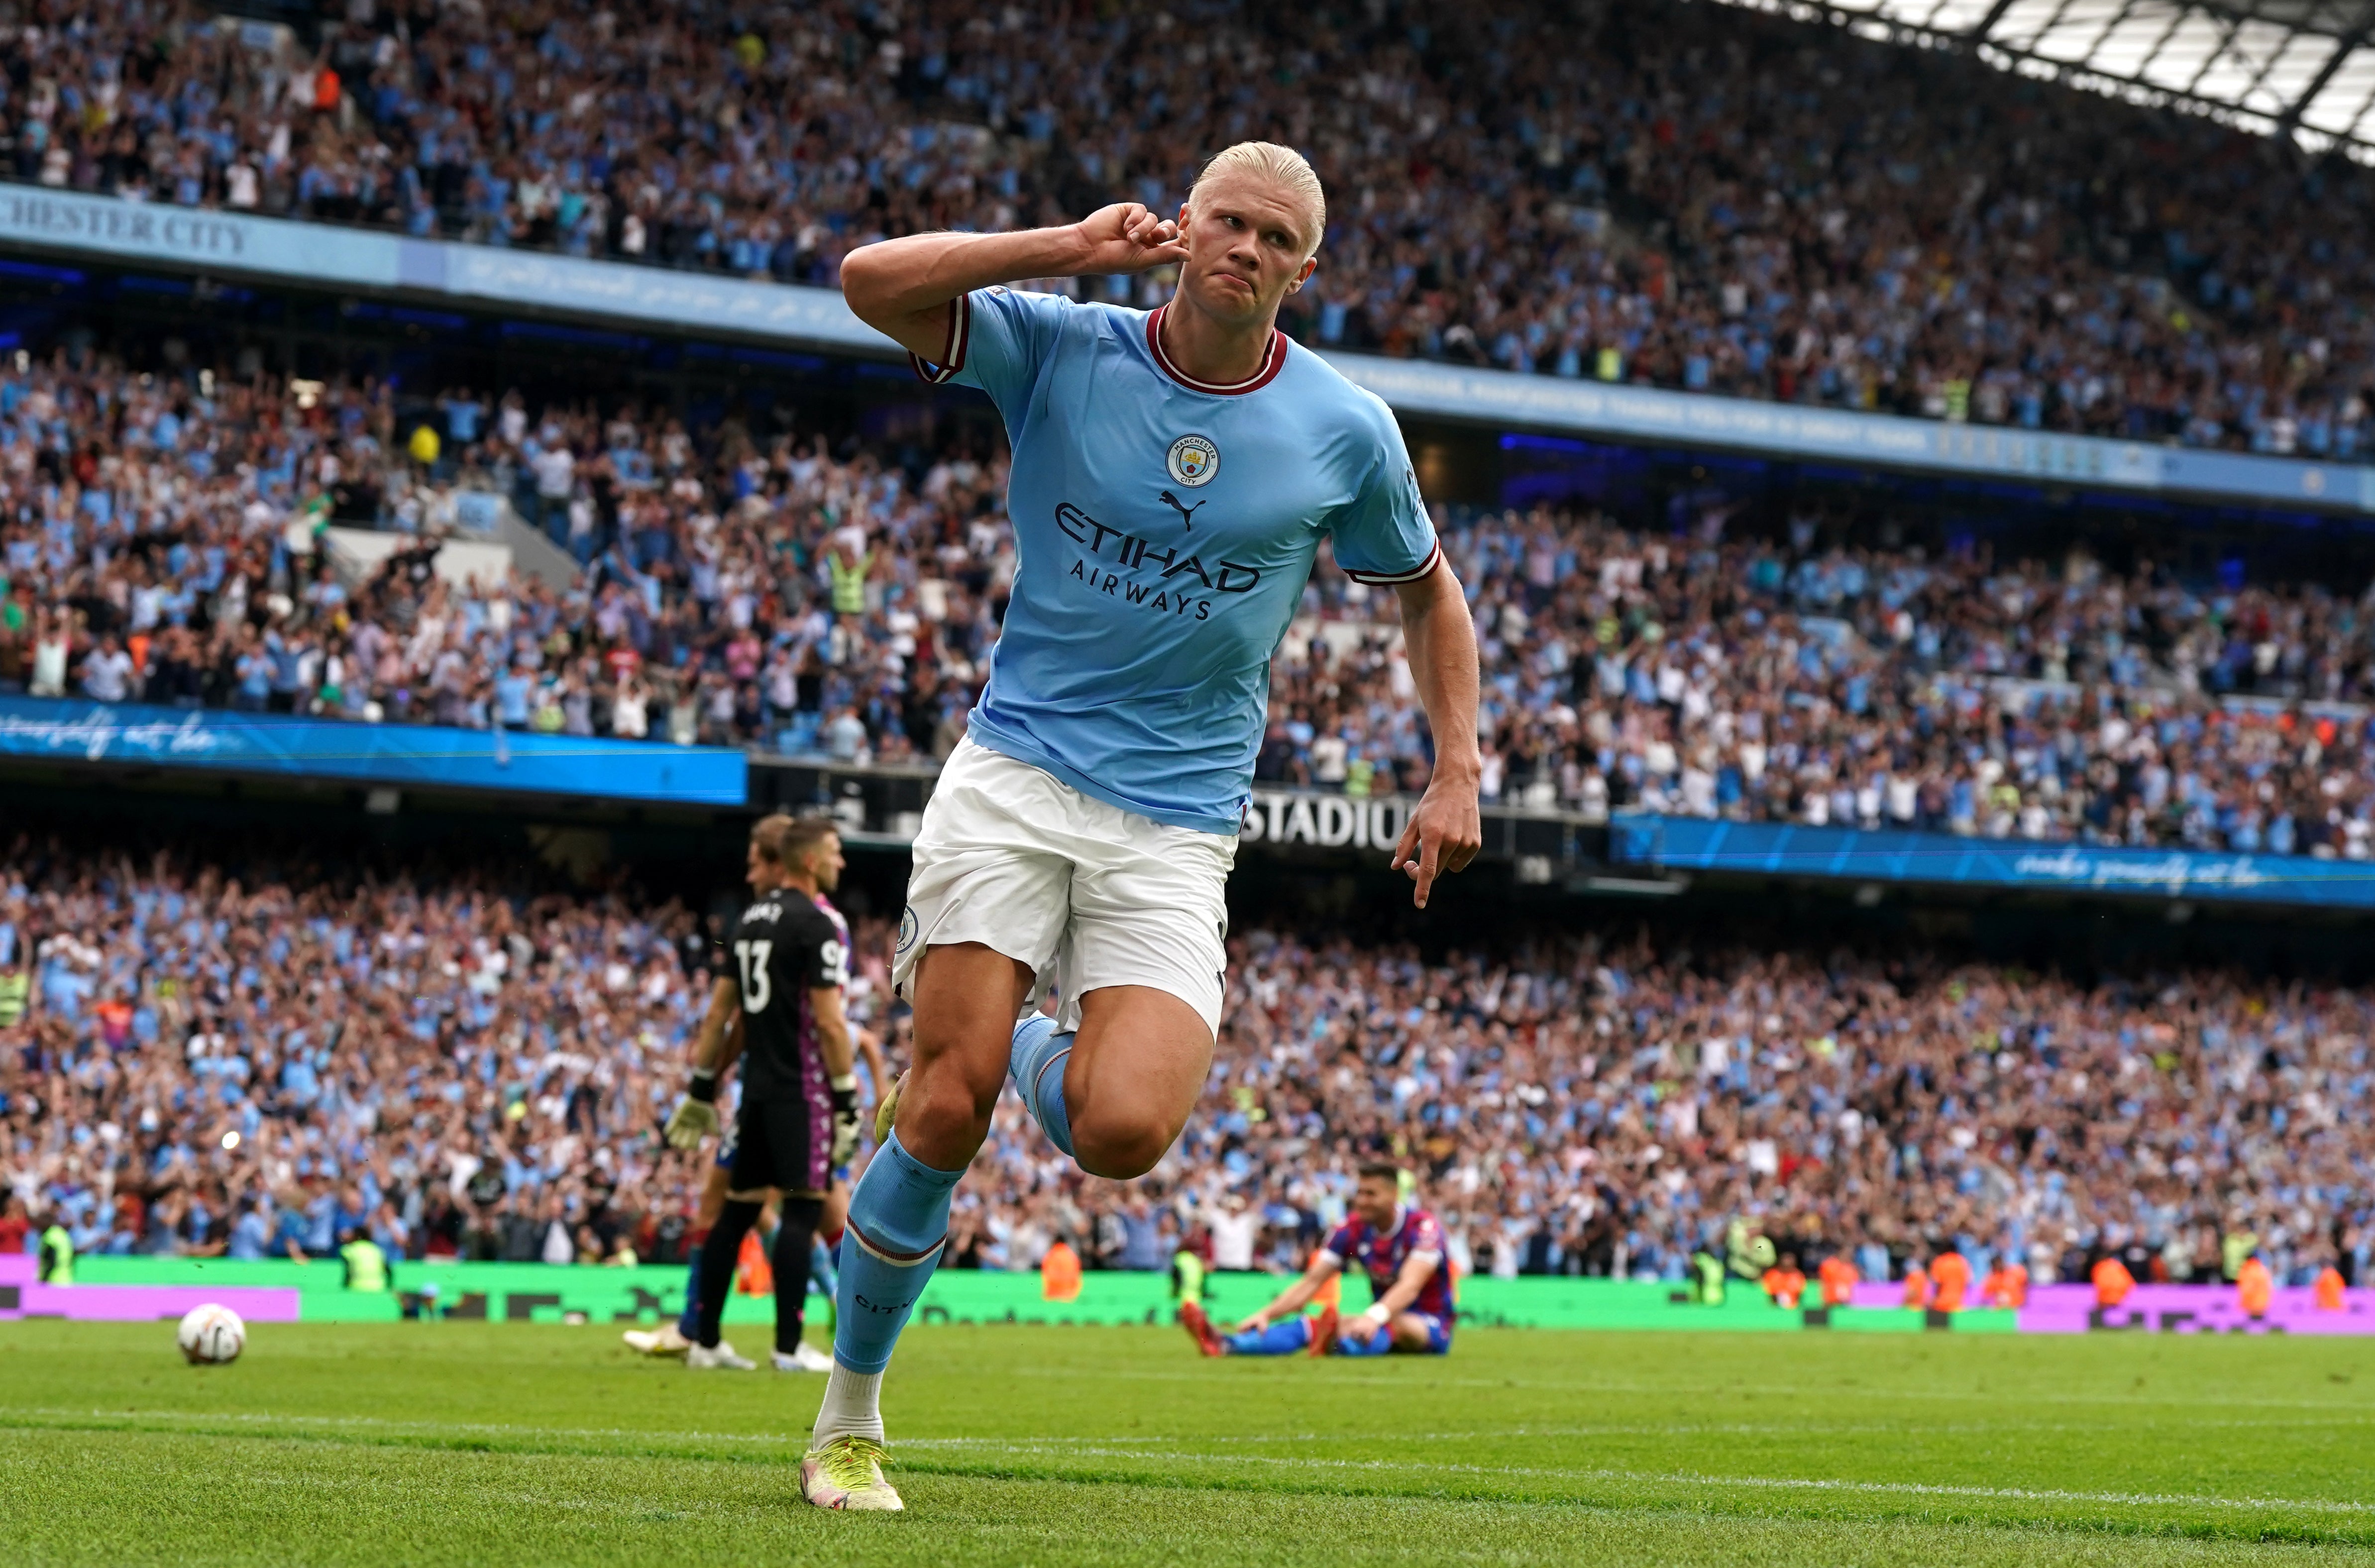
[1117,1142]
[966,997]
[898,1223]
[1130,1081]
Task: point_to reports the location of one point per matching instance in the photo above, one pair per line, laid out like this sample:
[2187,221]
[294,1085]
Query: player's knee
[940,1122]
[1118,1149]
[943,1108]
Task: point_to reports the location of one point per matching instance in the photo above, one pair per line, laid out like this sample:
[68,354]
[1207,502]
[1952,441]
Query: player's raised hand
[1441,837]
[1127,237]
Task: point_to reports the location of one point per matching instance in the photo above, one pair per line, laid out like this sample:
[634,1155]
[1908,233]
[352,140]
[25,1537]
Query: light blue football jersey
[1164,530]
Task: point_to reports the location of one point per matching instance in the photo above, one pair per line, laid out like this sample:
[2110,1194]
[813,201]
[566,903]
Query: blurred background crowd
[218,1051]
[1697,197]
[173,538]
[196,1060]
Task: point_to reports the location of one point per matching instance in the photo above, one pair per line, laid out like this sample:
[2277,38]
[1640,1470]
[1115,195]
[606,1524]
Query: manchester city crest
[1194,460]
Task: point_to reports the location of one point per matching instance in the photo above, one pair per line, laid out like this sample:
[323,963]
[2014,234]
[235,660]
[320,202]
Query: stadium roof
[2299,68]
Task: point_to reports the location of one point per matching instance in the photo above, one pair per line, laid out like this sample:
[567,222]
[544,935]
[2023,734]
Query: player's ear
[1310,266]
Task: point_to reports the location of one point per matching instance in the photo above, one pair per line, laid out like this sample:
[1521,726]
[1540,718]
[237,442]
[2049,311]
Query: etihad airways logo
[1168,590]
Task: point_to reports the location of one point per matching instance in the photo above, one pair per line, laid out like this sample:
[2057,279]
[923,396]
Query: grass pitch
[513,1444]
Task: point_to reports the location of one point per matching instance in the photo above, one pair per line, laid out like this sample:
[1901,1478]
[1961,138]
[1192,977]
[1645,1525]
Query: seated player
[1402,1250]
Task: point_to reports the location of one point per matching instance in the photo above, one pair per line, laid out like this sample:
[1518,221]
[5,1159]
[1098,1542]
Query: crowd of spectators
[199,1062]
[1700,197]
[1805,678]
[164,538]
[196,1063]
[168,539]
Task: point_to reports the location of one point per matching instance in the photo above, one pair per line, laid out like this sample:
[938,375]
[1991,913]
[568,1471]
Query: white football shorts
[1083,892]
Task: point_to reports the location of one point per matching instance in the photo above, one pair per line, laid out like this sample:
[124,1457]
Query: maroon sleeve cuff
[1389,579]
[952,360]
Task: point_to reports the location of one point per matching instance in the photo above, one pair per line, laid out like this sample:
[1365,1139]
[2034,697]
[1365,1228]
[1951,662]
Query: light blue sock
[1351,1344]
[1289,1338]
[1037,1067]
[898,1223]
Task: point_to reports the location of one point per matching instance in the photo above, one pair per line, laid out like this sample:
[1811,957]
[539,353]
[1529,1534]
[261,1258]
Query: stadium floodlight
[2298,68]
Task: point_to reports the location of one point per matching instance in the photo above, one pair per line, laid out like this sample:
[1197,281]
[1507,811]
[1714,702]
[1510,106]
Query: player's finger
[1405,846]
[1429,850]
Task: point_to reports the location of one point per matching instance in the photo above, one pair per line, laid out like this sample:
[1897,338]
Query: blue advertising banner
[418,755]
[1692,843]
[322,255]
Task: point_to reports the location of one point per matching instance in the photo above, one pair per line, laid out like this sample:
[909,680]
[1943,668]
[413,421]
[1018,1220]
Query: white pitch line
[2024,1494]
[1735,1429]
[262,1418]
[1133,1448]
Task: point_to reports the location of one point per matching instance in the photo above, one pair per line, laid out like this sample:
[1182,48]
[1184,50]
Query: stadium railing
[315,255]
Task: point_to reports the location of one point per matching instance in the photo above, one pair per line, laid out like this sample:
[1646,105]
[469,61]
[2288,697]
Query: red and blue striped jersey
[1356,1244]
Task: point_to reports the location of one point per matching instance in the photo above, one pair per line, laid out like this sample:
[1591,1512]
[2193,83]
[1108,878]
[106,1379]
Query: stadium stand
[170,547]
[1689,196]
[1696,196]
[464,1067]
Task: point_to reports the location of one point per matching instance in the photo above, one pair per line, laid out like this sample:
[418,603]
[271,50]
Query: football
[211,1335]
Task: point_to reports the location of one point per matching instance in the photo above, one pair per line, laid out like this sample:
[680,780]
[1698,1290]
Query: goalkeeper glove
[695,1116]
[845,1119]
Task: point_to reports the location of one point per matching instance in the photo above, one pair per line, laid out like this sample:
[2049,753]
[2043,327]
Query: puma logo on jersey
[1186,513]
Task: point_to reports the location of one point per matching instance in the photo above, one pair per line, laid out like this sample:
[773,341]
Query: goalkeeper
[785,972]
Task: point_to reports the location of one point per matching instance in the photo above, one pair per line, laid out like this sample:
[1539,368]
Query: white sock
[852,1406]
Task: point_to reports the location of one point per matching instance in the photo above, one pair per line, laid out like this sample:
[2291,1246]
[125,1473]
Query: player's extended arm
[833,1035]
[1292,1299]
[901,287]
[1417,1269]
[695,1116]
[1444,834]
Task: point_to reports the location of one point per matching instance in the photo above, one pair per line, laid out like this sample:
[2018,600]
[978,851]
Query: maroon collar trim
[1271,364]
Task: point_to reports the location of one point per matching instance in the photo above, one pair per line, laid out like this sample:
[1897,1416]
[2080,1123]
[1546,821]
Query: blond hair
[1282,165]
